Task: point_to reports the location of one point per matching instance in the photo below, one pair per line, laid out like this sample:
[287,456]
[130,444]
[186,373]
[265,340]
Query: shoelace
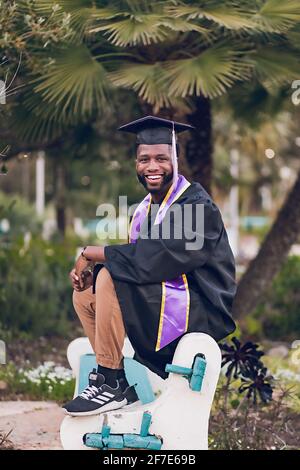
[89,392]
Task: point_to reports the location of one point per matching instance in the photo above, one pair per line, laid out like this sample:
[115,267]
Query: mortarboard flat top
[152,130]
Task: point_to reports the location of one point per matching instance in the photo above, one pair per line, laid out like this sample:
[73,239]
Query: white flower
[49,364]
[50,372]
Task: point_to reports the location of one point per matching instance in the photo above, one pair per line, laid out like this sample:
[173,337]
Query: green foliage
[253,326]
[35,291]
[280,312]
[76,52]
[20,214]
[250,424]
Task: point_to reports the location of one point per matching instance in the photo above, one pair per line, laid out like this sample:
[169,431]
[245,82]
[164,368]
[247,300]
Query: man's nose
[153,165]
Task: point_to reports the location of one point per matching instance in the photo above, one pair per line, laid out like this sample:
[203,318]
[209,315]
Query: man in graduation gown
[176,275]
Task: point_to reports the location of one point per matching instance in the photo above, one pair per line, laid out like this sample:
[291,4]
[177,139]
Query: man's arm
[155,260]
[81,275]
[94,253]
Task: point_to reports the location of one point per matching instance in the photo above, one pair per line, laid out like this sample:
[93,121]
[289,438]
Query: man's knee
[75,297]
[77,300]
[104,279]
[81,301]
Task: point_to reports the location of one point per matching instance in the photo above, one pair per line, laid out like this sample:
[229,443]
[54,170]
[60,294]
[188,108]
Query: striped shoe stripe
[98,401]
[102,397]
[110,395]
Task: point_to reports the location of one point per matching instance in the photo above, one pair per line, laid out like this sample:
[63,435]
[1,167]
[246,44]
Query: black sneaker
[99,397]
[128,391]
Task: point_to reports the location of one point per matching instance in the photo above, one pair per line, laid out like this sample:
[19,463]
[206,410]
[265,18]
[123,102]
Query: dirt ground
[34,425]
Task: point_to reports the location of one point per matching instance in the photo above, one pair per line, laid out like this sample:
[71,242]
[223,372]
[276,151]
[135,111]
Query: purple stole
[175,302]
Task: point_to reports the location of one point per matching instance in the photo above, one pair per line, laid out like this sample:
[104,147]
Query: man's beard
[165,180]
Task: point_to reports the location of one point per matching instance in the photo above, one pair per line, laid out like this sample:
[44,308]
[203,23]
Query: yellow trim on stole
[149,204]
[181,191]
[188,301]
[163,285]
[162,309]
[167,196]
[163,299]
[130,225]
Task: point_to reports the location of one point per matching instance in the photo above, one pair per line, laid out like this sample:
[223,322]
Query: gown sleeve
[152,261]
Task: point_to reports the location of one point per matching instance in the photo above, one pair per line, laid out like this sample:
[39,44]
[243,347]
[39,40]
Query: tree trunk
[274,251]
[199,147]
[60,200]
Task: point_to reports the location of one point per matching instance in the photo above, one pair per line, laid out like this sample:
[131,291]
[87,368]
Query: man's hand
[81,282]
[82,264]
[81,276]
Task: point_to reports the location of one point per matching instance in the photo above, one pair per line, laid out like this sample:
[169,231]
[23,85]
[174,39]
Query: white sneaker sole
[114,405]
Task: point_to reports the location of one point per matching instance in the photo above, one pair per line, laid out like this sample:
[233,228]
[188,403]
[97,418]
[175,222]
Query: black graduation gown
[138,269]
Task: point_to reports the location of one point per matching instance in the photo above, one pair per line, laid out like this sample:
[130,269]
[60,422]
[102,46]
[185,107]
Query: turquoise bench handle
[105,440]
[195,374]
[178,370]
[146,421]
[197,377]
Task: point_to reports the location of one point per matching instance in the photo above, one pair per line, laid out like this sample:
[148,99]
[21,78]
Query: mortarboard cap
[152,130]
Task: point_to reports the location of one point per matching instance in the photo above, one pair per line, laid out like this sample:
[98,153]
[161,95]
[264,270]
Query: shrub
[280,312]
[20,214]
[35,291]
[246,414]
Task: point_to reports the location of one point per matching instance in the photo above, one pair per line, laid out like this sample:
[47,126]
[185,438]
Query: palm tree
[175,55]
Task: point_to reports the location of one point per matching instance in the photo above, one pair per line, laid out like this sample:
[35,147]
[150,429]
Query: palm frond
[293,36]
[228,16]
[277,15]
[183,26]
[276,65]
[211,73]
[136,29]
[76,83]
[81,14]
[32,127]
[145,79]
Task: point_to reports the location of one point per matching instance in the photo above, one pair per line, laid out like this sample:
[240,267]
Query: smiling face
[154,168]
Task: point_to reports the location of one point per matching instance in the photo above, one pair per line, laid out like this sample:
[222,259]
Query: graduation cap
[151,130]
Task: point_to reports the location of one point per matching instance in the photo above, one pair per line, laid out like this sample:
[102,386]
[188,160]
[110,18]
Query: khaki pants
[102,321]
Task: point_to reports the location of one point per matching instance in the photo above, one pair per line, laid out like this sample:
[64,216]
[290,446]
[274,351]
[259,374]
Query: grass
[45,382]
[238,424]
[5,443]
